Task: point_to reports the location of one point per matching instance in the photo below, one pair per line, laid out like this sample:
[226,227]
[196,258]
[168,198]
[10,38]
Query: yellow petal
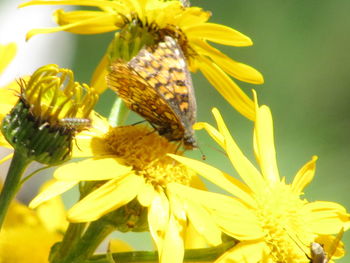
[217,177]
[218,33]
[88,26]
[198,216]
[52,213]
[94,3]
[91,142]
[244,252]
[227,88]
[193,239]
[327,217]
[106,198]
[332,245]
[233,217]
[214,133]
[304,176]
[158,218]
[243,166]
[173,246]
[53,190]
[116,245]
[7,53]
[92,170]
[146,195]
[98,80]
[236,69]
[265,146]
[194,16]
[88,22]
[8,98]
[197,183]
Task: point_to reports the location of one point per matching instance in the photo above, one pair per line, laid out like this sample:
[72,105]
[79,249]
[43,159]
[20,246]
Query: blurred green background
[303,50]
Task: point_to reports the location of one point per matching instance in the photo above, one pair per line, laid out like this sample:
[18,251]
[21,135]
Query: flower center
[280,211]
[144,150]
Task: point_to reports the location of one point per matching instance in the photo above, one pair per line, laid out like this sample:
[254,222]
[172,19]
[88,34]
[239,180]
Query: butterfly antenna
[217,150]
[139,122]
[298,245]
[204,157]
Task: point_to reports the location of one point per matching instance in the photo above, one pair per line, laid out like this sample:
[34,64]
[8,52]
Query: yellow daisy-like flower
[187,24]
[8,99]
[27,235]
[7,53]
[7,93]
[264,204]
[132,164]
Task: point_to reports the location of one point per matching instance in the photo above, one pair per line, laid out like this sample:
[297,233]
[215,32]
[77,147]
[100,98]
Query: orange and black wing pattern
[157,85]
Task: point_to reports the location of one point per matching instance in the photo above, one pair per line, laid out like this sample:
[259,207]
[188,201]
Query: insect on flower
[76,124]
[157,85]
[319,255]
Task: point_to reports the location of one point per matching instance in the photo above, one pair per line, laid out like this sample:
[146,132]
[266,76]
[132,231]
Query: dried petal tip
[50,110]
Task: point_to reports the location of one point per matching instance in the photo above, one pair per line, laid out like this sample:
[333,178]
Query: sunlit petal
[87,170]
[265,144]
[227,88]
[304,176]
[219,34]
[108,197]
[53,190]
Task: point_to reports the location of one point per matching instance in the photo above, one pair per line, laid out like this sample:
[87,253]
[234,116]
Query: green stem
[18,164]
[191,255]
[118,114]
[87,244]
[70,240]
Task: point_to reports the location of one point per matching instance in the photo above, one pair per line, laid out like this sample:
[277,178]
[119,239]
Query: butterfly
[156,84]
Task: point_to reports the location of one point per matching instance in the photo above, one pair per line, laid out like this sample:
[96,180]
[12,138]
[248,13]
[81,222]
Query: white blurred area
[56,48]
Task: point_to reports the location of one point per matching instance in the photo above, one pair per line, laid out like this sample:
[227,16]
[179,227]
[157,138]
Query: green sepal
[130,40]
[131,217]
[36,139]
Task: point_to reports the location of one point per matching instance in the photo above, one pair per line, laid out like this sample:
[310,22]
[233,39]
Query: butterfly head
[189,142]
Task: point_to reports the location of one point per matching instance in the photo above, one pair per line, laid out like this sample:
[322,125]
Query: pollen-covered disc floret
[145,151]
[50,110]
[280,212]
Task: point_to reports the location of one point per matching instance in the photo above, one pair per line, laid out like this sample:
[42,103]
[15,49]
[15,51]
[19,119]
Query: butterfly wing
[138,95]
[164,67]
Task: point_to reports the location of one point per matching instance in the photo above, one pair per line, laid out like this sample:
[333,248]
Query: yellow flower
[28,235]
[7,93]
[7,53]
[279,224]
[47,114]
[187,24]
[132,164]
[8,99]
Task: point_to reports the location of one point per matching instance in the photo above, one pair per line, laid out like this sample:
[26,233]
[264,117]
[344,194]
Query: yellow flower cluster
[135,178]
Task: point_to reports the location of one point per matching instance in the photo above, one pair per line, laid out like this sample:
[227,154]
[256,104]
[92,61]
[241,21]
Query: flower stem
[70,239]
[191,255]
[18,164]
[118,114]
[83,248]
